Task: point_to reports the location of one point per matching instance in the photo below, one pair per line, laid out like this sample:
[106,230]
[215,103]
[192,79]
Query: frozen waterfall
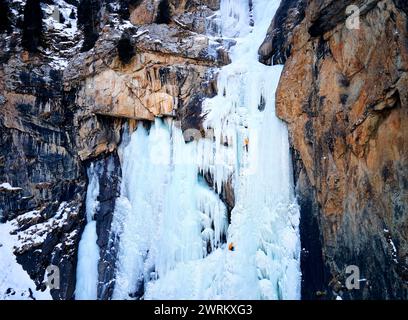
[88,251]
[175,238]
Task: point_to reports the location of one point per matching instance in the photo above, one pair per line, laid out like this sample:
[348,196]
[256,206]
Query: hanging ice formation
[175,238]
[88,251]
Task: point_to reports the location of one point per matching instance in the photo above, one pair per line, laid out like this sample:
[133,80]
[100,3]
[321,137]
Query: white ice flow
[166,214]
[88,251]
[172,227]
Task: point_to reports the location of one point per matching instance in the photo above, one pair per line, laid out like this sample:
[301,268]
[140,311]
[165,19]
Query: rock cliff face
[344,95]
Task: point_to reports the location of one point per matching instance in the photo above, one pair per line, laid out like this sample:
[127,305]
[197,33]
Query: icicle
[215,214]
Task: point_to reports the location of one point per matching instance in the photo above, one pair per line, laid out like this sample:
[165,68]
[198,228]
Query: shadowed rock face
[343,93]
[326,15]
[277,45]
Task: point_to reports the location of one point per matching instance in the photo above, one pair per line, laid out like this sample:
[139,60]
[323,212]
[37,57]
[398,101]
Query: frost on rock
[41,228]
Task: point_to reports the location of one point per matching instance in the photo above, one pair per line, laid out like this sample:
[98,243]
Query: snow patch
[7,186]
[15,284]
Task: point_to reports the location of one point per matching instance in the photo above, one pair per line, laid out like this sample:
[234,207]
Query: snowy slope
[15,284]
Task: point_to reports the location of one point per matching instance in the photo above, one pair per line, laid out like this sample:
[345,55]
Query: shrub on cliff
[32,25]
[88,20]
[164,12]
[125,49]
[126,5]
[4,16]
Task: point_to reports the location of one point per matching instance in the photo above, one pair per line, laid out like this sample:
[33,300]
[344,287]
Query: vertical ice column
[138,211]
[88,252]
[251,147]
[166,216]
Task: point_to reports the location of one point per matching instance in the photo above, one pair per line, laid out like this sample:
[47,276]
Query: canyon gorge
[252,149]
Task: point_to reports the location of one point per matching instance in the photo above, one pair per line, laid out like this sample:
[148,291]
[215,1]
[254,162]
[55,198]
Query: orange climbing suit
[246,144]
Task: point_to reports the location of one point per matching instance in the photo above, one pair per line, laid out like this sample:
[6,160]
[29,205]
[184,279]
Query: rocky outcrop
[277,45]
[168,73]
[343,93]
